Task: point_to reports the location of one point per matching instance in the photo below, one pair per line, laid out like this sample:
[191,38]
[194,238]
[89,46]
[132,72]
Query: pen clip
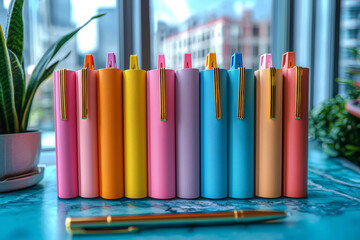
[272,78]
[162,84]
[288,60]
[84,93]
[236,61]
[89,62]
[266,61]
[62,87]
[298,90]
[111,60]
[211,64]
[134,65]
[187,60]
[81,230]
[241,93]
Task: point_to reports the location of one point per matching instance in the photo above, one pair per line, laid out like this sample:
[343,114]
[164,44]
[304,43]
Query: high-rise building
[223,35]
[349,39]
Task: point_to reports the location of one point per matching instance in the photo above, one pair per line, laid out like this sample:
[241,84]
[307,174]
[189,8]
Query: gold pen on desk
[134,223]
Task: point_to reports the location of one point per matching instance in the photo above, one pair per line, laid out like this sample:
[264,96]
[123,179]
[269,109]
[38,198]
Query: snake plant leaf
[49,71]
[15,29]
[18,83]
[40,71]
[8,115]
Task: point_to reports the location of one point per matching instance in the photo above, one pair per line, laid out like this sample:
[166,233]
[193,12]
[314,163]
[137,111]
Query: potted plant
[20,148]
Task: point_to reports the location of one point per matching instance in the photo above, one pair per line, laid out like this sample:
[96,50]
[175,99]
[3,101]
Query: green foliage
[16,96]
[336,129]
[333,126]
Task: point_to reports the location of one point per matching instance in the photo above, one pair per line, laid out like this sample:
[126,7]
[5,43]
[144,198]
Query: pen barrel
[65,134]
[135,145]
[268,129]
[213,135]
[111,224]
[88,160]
[187,133]
[241,134]
[295,134]
[110,131]
[161,135]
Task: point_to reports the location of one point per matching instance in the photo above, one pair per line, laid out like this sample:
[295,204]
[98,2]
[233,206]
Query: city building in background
[349,39]
[223,35]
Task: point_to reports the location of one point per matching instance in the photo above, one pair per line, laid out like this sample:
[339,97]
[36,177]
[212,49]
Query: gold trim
[241,93]
[162,94]
[81,231]
[62,83]
[217,93]
[298,89]
[84,93]
[272,72]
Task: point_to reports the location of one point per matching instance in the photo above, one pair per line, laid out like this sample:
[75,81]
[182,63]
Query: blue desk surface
[331,211]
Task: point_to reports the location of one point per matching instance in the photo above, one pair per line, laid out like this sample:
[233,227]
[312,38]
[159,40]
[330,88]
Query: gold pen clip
[84,93]
[211,64]
[217,93]
[241,93]
[62,83]
[298,89]
[272,72]
[162,93]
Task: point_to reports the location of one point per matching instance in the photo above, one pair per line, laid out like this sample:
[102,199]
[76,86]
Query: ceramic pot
[19,153]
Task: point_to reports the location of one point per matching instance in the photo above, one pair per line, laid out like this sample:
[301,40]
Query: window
[349,40]
[44,23]
[223,27]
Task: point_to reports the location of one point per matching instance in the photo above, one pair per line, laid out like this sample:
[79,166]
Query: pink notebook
[86,102]
[65,133]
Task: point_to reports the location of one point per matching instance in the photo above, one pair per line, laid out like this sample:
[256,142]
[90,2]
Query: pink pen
[161,131]
[86,102]
[65,133]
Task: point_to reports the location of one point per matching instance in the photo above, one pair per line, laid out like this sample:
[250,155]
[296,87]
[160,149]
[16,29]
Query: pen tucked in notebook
[86,103]
[161,131]
[65,133]
[213,122]
[268,139]
[241,129]
[135,149]
[187,85]
[295,152]
[110,130]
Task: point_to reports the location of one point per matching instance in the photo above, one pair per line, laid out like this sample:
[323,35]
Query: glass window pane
[45,22]
[223,27]
[349,41]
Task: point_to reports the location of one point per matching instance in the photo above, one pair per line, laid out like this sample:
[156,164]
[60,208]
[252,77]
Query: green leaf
[15,29]
[18,82]
[45,76]
[40,70]
[8,115]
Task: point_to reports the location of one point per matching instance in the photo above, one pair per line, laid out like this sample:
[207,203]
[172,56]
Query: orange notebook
[110,130]
[268,129]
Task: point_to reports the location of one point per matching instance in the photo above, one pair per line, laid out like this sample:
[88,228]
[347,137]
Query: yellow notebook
[135,145]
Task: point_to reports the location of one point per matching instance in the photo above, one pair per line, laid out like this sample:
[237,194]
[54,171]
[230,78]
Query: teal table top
[331,211]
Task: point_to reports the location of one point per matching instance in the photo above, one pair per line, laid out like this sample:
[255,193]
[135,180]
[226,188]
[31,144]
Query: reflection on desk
[331,211]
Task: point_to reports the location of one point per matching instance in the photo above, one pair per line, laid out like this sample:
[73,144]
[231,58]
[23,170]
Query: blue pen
[241,129]
[213,120]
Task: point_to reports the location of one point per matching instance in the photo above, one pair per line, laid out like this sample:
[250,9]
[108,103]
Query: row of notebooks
[162,133]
